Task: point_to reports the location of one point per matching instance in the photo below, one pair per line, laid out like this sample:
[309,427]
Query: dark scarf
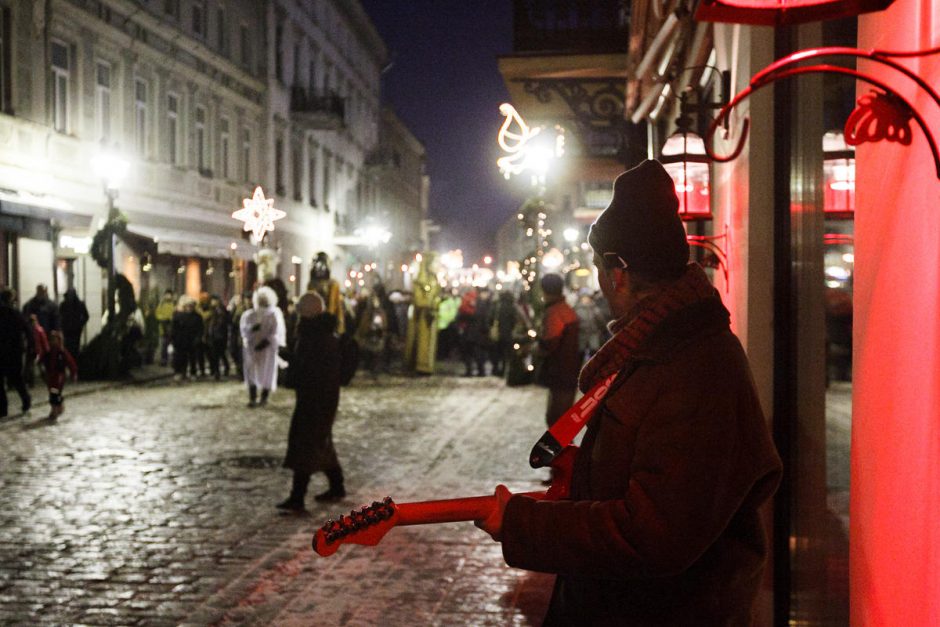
[634,328]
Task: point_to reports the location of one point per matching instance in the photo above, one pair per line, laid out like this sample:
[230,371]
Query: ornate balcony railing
[317,108]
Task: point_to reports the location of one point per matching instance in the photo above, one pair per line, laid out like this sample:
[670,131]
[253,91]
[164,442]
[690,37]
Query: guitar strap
[560,434]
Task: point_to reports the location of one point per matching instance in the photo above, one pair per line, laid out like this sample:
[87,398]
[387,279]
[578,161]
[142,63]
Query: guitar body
[368,525]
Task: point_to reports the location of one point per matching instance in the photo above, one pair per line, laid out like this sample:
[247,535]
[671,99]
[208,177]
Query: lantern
[684,158]
[838,176]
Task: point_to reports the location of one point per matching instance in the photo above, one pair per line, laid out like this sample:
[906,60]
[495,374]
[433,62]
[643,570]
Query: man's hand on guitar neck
[493,524]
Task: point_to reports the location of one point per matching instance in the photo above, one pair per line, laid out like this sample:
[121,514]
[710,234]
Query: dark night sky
[445,85]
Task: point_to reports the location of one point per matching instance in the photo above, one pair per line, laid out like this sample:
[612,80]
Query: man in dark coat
[186,330]
[661,526]
[16,338]
[314,374]
[44,309]
[73,315]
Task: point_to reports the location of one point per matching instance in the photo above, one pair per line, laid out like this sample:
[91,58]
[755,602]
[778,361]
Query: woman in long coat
[263,332]
[314,374]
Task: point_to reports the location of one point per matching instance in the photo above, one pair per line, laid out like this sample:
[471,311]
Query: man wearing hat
[661,526]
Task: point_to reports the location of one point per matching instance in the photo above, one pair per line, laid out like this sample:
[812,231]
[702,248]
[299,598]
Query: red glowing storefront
[813,229]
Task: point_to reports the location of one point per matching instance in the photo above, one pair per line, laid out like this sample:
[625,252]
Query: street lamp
[112,170]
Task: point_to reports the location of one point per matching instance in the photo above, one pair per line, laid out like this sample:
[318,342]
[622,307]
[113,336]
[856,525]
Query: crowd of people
[41,336]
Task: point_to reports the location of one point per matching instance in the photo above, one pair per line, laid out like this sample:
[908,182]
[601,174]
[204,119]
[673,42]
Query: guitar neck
[450,510]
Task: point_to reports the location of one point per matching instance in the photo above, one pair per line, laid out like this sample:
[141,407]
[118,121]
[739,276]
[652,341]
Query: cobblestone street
[153,504]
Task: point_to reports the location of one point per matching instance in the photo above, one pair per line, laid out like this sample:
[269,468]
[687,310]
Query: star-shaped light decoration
[258,214]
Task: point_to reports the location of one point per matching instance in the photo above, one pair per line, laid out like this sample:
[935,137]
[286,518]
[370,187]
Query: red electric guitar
[368,525]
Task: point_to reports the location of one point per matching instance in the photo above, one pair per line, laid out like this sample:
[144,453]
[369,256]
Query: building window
[279,52]
[60,86]
[201,161]
[312,72]
[297,173]
[245,39]
[199,18]
[222,33]
[140,116]
[103,101]
[297,64]
[279,188]
[327,176]
[312,176]
[224,146]
[172,8]
[6,61]
[246,154]
[172,127]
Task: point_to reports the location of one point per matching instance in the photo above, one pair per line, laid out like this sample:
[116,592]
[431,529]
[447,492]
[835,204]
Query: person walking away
[164,314]
[662,525]
[57,364]
[315,375]
[478,330]
[16,340]
[73,316]
[43,308]
[505,320]
[185,331]
[218,339]
[263,332]
[466,317]
[557,349]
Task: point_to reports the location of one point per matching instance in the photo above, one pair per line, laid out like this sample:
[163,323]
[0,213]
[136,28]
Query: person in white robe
[263,333]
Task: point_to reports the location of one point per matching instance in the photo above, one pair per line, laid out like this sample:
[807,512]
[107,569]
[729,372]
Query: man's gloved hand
[263,344]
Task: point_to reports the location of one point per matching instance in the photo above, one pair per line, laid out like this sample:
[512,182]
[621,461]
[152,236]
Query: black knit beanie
[642,223]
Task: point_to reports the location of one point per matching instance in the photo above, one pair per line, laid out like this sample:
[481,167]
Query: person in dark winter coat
[185,333]
[217,335]
[73,315]
[16,340]
[662,524]
[505,319]
[44,309]
[314,374]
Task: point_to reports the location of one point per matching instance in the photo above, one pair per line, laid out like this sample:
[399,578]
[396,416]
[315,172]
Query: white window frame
[173,127]
[103,101]
[246,154]
[140,116]
[60,88]
[225,145]
[199,127]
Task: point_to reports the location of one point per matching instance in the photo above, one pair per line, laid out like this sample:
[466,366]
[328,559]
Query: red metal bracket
[717,257]
[880,115]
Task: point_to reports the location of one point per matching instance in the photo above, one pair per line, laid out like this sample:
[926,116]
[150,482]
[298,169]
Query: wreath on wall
[101,241]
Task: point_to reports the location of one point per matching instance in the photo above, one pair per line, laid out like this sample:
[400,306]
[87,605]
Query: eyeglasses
[613,260]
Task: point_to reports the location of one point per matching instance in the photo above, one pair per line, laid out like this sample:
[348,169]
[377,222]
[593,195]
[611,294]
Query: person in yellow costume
[421,341]
[328,289]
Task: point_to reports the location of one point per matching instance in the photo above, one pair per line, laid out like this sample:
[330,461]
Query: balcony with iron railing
[571,26]
[318,109]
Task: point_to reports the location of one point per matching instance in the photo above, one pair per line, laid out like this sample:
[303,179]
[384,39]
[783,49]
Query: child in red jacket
[55,363]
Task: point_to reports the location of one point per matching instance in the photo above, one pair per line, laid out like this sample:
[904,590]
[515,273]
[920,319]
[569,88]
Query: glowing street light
[571,234]
[528,149]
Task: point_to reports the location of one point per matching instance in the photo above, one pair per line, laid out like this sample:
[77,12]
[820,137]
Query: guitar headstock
[366,526]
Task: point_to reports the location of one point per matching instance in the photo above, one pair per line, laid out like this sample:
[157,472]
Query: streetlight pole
[111,169]
[111,194]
